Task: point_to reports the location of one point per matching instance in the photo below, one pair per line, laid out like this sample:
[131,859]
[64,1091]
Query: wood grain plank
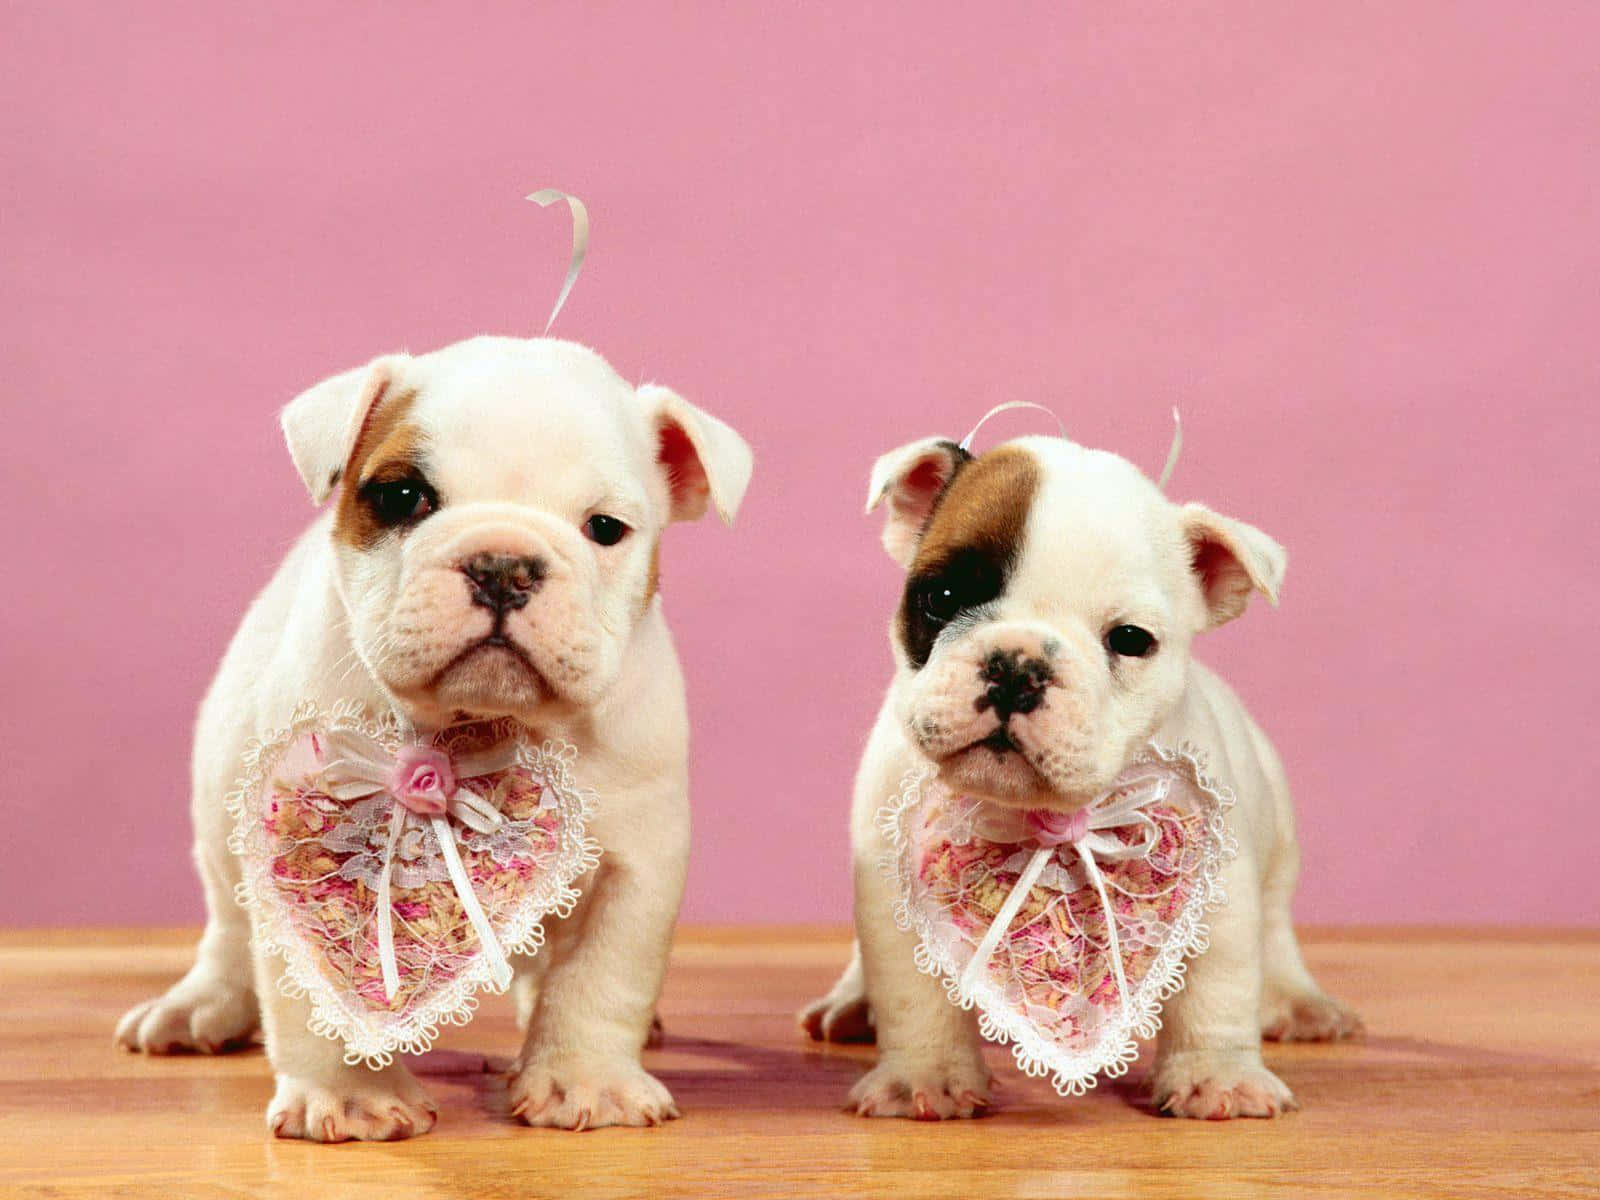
[1481,1078]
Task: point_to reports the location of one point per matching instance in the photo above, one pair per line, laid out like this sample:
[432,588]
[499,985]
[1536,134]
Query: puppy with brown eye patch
[493,551]
[398,502]
[1041,641]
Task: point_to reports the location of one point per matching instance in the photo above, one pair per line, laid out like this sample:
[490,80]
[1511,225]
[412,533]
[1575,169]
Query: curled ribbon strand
[544,198]
[1086,832]
[1167,469]
[1173,451]
[966,442]
[361,769]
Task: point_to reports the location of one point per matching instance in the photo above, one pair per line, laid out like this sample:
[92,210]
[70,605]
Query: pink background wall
[1355,242]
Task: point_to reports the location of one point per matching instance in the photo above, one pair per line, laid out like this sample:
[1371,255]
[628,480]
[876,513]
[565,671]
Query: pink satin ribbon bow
[420,779]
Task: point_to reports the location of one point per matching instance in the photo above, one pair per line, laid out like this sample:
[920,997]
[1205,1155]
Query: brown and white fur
[1021,564]
[493,595]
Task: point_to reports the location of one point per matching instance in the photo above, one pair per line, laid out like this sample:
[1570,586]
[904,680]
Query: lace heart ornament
[395,876]
[1065,931]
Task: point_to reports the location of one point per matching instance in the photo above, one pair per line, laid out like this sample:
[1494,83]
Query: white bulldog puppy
[1042,639]
[493,551]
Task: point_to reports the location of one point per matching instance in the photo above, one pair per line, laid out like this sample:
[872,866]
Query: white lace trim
[338,1015]
[1072,1073]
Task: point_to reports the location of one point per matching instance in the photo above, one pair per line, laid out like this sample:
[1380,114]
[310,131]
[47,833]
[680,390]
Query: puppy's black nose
[503,581]
[1014,684]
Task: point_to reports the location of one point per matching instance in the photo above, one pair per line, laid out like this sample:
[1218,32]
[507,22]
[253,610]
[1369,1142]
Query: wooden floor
[1480,1077]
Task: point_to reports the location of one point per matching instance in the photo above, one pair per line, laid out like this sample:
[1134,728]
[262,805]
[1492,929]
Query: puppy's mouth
[492,674]
[495,644]
[998,743]
[996,768]
[496,652]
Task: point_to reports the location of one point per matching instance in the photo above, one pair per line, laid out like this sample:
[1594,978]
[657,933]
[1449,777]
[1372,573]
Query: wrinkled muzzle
[1006,708]
[496,612]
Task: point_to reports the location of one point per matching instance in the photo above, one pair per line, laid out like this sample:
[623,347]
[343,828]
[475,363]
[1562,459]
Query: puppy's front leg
[579,1067]
[321,1098]
[930,1056]
[1208,1059]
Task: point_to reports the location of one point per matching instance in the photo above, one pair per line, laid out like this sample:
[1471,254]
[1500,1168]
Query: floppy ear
[703,458]
[1231,559]
[912,479]
[323,423]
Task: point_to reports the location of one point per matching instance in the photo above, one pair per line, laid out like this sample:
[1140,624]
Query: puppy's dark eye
[399,501]
[1129,641]
[604,530]
[967,580]
[939,603]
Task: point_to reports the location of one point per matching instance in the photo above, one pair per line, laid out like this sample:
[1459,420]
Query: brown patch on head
[389,447]
[986,503]
[970,545]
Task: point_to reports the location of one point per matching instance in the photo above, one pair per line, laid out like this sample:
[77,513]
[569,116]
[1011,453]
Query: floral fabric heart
[1065,932]
[393,878]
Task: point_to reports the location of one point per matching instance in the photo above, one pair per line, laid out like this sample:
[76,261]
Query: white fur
[525,439]
[1102,547]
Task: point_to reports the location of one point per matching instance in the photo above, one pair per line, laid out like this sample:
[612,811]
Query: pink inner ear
[686,478]
[920,488]
[1223,579]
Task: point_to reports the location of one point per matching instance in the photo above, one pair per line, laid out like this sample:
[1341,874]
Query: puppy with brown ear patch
[1068,568]
[492,552]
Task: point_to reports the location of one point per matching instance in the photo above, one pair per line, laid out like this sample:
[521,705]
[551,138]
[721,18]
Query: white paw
[1217,1085]
[925,1090]
[1309,1017]
[356,1105]
[577,1093]
[200,1012]
[838,1018]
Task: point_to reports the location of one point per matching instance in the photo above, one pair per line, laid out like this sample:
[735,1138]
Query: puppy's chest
[1066,931]
[395,875]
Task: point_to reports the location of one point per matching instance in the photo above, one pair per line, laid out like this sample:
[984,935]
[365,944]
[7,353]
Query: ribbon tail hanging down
[1113,944]
[1002,919]
[1081,831]
[499,966]
[1014,901]
[500,969]
[386,958]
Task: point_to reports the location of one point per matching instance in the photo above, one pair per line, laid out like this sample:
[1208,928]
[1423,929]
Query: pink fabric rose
[422,780]
[1051,828]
